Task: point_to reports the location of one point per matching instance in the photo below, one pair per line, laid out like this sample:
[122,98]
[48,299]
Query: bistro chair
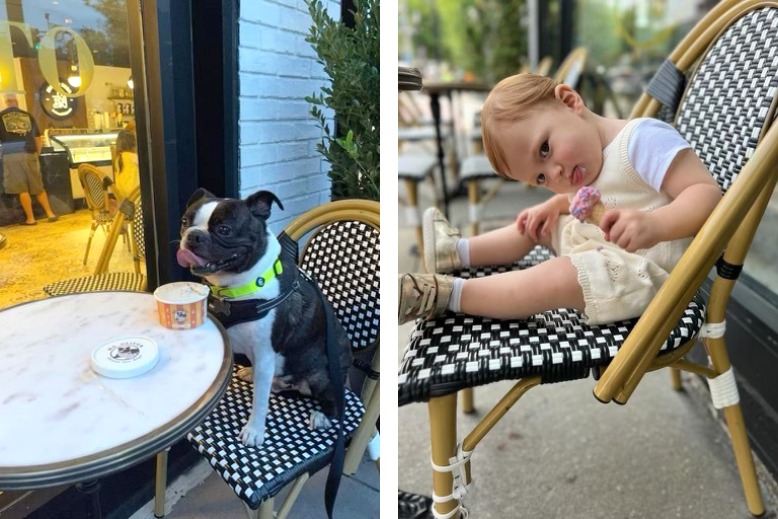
[415,167]
[544,66]
[476,168]
[342,254]
[96,197]
[131,211]
[725,112]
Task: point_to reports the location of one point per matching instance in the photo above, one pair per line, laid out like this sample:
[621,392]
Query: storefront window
[65,71]
[627,41]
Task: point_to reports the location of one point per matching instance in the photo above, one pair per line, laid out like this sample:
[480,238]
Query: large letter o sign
[47,58]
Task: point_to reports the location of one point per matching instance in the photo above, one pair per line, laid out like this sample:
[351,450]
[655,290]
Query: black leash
[336,377]
[332,485]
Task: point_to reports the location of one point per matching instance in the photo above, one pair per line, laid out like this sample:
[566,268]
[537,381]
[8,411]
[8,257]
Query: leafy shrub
[350,56]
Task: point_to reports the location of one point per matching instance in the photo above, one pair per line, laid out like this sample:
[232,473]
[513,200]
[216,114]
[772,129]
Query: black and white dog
[270,308]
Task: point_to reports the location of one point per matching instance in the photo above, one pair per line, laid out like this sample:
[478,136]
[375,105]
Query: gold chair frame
[740,209]
[117,228]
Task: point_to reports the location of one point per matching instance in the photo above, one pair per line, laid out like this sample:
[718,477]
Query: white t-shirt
[652,147]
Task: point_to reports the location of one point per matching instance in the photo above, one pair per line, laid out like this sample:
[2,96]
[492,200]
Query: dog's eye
[224,230]
[184,222]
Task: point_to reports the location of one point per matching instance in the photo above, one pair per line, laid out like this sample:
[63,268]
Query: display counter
[82,145]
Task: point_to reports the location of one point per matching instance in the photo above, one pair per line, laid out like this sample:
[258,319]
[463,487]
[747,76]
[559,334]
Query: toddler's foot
[423,295]
[440,243]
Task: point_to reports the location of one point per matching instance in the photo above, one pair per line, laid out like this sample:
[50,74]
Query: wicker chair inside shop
[95,195]
[342,254]
[726,112]
[130,211]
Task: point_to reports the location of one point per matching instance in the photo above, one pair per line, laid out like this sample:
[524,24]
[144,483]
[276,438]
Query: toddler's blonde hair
[511,100]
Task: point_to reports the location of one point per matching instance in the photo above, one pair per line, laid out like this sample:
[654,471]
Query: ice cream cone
[598,210]
[586,205]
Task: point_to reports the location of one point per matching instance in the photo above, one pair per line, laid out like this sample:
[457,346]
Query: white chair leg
[254,514]
[365,433]
[265,510]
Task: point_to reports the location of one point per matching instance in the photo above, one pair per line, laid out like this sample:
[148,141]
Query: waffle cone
[597,211]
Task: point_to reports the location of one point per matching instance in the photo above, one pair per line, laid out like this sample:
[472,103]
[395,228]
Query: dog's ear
[198,195]
[260,203]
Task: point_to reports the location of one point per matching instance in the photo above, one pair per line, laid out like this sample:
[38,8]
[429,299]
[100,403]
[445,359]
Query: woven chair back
[91,180]
[730,99]
[137,232]
[344,258]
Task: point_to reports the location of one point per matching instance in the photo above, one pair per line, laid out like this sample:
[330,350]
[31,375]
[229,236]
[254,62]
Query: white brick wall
[278,137]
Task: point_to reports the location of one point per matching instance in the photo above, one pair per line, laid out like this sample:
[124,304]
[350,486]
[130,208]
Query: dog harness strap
[253,286]
[230,313]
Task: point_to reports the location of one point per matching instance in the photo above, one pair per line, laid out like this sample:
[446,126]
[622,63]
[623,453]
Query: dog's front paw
[246,374]
[252,436]
[319,420]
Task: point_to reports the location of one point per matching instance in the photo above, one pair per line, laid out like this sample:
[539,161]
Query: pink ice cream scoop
[586,205]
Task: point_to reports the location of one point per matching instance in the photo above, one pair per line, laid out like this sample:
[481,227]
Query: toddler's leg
[522,293]
[445,250]
[510,295]
[501,246]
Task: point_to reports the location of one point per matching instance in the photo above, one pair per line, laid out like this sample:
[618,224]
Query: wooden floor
[37,255]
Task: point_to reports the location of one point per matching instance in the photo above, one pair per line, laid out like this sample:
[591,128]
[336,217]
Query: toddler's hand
[630,229]
[537,221]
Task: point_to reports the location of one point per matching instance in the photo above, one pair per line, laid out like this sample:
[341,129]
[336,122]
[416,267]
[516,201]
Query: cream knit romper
[617,284]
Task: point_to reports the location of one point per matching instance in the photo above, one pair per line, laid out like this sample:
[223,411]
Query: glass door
[67,104]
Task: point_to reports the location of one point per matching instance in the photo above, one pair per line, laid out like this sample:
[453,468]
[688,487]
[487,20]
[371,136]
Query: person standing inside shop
[21,141]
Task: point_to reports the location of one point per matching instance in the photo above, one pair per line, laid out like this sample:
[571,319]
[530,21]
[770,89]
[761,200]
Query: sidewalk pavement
[559,453]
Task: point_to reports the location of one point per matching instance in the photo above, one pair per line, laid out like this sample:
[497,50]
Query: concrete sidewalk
[559,453]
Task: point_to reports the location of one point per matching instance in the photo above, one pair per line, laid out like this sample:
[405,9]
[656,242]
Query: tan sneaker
[423,295]
[440,243]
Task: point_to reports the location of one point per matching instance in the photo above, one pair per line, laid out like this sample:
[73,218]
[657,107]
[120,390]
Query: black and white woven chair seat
[128,281]
[457,351]
[290,448]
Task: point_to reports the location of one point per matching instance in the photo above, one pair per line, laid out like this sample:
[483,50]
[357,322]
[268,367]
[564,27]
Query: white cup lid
[181,293]
[125,357]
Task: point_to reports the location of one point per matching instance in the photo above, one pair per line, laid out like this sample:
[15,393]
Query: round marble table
[61,423]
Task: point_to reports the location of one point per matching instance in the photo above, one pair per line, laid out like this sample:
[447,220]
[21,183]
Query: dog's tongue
[187,259]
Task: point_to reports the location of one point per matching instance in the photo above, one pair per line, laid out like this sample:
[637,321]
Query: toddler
[656,191]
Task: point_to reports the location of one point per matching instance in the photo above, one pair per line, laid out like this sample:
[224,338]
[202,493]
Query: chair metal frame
[727,233]
[117,228]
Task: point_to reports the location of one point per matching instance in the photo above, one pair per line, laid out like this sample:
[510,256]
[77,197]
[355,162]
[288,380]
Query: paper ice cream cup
[182,305]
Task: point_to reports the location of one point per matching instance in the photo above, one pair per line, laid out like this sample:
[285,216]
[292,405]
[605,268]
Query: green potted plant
[350,56]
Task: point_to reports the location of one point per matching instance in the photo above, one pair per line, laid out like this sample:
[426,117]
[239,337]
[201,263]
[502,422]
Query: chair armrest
[644,341]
